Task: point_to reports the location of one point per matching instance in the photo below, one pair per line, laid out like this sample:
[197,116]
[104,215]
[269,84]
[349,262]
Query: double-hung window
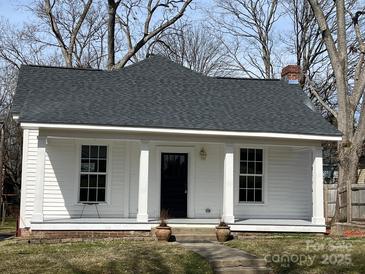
[251,175]
[93,173]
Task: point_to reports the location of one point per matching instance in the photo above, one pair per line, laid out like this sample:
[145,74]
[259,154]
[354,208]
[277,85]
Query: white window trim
[237,176]
[108,171]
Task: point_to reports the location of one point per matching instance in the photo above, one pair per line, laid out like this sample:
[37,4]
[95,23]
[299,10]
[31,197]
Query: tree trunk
[348,167]
[112,11]
[2,174]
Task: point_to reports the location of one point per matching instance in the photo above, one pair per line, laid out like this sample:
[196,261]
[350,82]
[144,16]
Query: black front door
[174,184]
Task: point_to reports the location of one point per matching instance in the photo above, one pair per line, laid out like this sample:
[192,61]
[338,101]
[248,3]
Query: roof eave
[202,132]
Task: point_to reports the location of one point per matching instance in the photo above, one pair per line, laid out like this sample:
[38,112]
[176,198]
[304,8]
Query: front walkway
[225,259]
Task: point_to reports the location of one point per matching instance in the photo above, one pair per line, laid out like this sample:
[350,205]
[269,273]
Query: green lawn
[99,257]
[8,227]
[307,254]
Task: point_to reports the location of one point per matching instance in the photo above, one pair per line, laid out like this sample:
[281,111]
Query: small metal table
[90,204]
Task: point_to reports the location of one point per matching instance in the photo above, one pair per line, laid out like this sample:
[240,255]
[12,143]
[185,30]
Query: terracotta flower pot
[223,233]
[163,233]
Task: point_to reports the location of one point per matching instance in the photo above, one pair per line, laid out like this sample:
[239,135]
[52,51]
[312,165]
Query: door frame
[190,151]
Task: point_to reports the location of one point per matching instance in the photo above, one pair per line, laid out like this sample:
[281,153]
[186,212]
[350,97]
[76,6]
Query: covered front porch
[253,184]
[125,224]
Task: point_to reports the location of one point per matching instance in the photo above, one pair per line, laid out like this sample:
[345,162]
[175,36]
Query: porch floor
[118,224]
[277,222]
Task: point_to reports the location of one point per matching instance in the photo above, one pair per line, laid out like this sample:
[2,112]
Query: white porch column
[317,187]
[228,184]
[38,200]
[142,214]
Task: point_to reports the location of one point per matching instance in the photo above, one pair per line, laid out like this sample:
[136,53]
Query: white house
[108,150]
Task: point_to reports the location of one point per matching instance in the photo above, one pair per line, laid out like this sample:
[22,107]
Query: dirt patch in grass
[307,254]
[99,257]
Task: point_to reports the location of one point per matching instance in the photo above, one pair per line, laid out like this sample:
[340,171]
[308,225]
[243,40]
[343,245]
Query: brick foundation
[84,234]
[253,235]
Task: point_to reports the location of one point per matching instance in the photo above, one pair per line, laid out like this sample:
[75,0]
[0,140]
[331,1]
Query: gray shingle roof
[159,93]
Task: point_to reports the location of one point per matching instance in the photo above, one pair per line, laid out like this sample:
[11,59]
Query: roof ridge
[60,67]
[166,59]
[245,78]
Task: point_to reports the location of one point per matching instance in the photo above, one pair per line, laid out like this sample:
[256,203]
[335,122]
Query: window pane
[84,180]
[83,194]
[85,151]
[93,185]
[258,154]
[101,195]
[243,167]
[243,154]
[101,180]
[251,155]
[243,182]
[258,182]
[92,194]
[251,168]
[258,168]
[84,165]
[102,152]
[258,195]
[102,166]
[242,195]
[250,195]
[92,182]
[250,181]
[93,165]
[94,152]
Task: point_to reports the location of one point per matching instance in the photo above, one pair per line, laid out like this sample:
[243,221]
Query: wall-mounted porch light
[203,154]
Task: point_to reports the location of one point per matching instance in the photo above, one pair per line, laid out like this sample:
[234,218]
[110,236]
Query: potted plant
[163,231]
[223,232]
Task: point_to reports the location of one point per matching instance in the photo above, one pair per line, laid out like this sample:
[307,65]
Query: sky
[13,11]
[16,13]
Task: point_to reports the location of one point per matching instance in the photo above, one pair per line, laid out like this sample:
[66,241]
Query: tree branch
[314,92]
[148,36]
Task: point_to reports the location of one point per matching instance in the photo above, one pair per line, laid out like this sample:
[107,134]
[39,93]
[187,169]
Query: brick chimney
[291,73]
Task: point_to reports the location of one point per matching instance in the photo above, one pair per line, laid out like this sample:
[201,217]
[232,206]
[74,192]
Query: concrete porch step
[243,270]
[191,234]
[194,238]
[192,230]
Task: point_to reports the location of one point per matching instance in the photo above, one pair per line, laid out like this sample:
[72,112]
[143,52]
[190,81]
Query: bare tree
[112,11]
[249,23]
[15,47]
[64,20]
[345,50]
[157,17]
[192,47]
[306,44]
[10,152]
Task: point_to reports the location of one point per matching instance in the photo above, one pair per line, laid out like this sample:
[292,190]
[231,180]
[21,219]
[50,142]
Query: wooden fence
[358,202]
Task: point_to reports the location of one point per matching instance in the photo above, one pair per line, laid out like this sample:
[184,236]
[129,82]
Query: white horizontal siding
[288,181]
[62,181]
[205,178]
[209,182]
[288,186]
[29,175]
